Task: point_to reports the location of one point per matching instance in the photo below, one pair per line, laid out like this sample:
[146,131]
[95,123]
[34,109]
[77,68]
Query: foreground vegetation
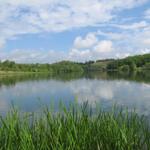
[76,128]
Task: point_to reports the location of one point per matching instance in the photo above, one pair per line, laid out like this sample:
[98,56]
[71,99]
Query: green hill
[138,62]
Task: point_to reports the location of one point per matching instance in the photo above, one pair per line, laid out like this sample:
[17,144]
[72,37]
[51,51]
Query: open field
[74,129]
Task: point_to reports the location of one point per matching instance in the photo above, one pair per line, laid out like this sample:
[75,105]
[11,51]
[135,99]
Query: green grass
[74,129]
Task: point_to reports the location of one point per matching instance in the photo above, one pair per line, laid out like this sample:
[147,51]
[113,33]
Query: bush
[124,68]
[147,66]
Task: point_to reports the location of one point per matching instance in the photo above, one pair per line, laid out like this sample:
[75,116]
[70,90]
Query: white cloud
[133,26]
[80,55]
[145,51]
[103,47]
[33,56]
[97,49]
[36,16]
[122,55]
[19,17]
[130,40]
[89,47]
[86,42]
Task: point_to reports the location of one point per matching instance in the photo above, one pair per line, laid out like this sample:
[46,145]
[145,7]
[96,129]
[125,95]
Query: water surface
[30,92]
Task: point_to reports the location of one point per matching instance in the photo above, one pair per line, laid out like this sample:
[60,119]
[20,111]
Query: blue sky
[52,30]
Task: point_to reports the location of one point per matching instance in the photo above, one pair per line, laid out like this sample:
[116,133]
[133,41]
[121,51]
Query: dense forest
[139,62]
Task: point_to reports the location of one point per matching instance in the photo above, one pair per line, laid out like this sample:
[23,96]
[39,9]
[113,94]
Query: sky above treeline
[46,31]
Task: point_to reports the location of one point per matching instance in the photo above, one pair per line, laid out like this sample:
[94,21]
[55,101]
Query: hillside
[100,64]
[63,66]
[138,62]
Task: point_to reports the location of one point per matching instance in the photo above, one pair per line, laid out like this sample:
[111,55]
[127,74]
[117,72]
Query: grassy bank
[74,129]
[21,72]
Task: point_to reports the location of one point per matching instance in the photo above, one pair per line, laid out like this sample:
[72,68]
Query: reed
[76,128]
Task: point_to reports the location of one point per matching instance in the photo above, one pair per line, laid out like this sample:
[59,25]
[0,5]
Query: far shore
[19,72]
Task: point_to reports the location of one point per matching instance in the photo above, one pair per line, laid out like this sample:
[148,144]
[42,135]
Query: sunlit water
[30,93]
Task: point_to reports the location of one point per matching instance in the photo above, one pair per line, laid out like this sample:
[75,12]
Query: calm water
[30,92]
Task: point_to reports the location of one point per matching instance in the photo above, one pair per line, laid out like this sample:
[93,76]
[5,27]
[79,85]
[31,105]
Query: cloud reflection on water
[27,94]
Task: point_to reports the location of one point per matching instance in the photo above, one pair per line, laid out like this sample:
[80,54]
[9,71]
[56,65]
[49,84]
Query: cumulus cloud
[18,17]
[36,16]
[103,47]
[86,42]
[33,56]
[133,38]
[90,47]
[80,55]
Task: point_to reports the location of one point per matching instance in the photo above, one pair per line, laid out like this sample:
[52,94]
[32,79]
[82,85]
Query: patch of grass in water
[76,128]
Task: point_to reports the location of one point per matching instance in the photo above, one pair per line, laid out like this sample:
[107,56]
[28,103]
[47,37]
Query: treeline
[132,63]
[64,66]
[139,62]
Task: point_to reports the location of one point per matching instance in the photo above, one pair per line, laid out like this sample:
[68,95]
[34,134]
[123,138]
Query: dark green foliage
[99,65]
[74,129]
[124,68]
[147,66]
[134,63]
[67,67]
[105,60]
[64,66]
[113,65]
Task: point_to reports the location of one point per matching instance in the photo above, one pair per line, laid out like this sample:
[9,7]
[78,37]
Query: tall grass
[77,128]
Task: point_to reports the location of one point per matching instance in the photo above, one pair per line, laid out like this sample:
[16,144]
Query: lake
[30,92]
